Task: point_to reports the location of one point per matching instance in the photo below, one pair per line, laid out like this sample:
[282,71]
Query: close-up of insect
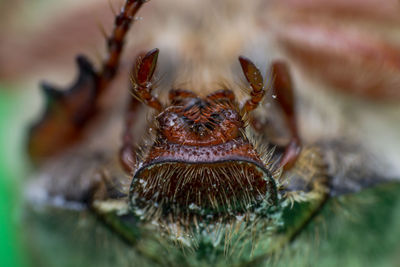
[205,133]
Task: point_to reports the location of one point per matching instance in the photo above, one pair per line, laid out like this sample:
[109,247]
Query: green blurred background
[12,173]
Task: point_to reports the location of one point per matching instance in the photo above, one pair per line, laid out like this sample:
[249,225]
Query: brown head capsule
[201,164]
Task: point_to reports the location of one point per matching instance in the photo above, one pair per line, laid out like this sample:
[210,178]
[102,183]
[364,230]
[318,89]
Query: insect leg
[127,153]
[69,112]
[283,92]
[115,43]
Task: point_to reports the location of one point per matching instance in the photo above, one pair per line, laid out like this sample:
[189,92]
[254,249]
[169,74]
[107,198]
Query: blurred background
[38,40]
[345,50]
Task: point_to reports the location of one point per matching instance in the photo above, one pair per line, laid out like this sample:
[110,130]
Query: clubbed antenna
[255,79]
[142,79]
[143,71]
[69,111]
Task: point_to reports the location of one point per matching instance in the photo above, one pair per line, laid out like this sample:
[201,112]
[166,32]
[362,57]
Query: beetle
[199,176]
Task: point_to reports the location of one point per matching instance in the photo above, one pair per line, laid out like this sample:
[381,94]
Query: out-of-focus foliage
[353,230]
[12,167]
